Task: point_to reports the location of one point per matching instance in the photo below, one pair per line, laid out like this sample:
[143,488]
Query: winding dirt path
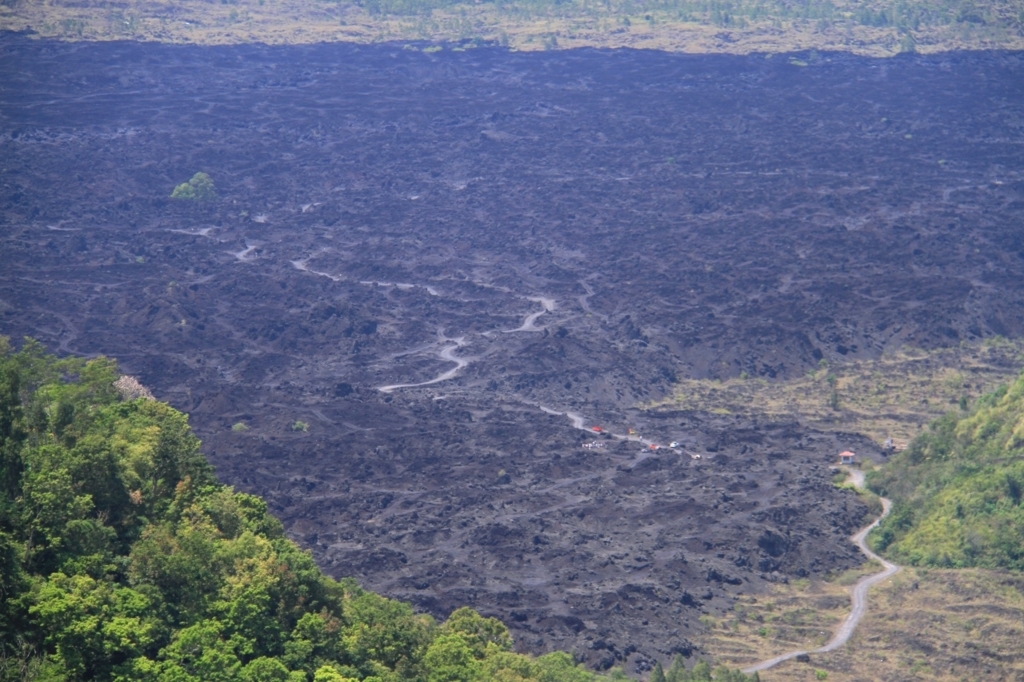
[584,301]
[243,255]
[580,423]
[858,596]
[447,353]
[529,323]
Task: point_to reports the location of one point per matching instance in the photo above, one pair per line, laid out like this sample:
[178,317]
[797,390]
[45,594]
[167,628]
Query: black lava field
[444,264]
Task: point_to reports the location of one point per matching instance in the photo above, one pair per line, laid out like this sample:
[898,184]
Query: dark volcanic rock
[580,228]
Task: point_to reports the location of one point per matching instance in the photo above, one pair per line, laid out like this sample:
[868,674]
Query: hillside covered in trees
[123,558]
[958,490]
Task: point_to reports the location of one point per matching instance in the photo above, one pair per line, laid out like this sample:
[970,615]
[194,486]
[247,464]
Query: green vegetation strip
[958,490]
[872,27]
[894,396]
[122,558]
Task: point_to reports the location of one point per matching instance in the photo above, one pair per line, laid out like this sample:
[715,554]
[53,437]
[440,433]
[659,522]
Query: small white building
[847,457]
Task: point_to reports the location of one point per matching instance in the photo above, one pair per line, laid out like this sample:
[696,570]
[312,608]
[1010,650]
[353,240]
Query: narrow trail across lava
[578,422]
[858,596]
[529,323]
[447,353]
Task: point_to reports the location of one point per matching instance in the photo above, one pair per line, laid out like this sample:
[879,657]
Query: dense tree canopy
[958,490]
[122,558]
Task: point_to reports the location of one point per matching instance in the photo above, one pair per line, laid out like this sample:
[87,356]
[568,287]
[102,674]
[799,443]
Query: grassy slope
[892,397]
[878,28]
[958,490]
[921,625]
[963,480]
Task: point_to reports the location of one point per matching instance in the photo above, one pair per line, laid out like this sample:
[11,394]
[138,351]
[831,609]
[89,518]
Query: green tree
[701,672]
[50,507]
[450,658]
[677,671]
[12,436]
[313,642]
[559,666]
[328,674]
[477,631]
[265,669]
[383,631]
[182,564]
[201,652]
[198,188]
[92,626]
[725,674]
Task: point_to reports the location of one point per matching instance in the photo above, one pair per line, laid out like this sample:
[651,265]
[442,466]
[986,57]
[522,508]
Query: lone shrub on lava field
[199,188]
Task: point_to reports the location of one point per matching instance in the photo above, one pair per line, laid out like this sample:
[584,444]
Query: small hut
[847,457]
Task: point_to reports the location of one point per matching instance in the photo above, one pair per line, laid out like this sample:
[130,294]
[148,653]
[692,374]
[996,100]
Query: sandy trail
[530,322]
[578,422]
[585,301]
[303,264]
[243,255]
[401,286]
[447,353]
[858,596]
[202,232]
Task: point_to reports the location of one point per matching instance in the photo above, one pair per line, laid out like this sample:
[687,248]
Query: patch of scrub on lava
[958,616]
[799,615]
[893,397]
[198,188]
